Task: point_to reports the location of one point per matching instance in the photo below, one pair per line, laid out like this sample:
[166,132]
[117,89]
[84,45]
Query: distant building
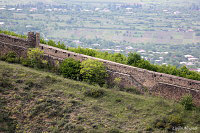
[118,50]
[129,48]
[11,9]
[97,9]
[189,64]
[33,9]
[176,12]
[29,26]
[106,49]
[188,56]
[49,10]
[193,59]
[2,23]
[141,51]
[19,9]
[197,69]
[77,42]
[161,58]
[2,8]
[183,63]
[96,44]
[158,61]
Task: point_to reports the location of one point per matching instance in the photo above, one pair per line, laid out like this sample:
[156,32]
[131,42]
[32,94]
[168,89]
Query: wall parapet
[13,40]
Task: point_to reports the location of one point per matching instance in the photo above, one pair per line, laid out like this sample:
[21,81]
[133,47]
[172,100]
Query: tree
[93,71]
[70,68]
[133,58]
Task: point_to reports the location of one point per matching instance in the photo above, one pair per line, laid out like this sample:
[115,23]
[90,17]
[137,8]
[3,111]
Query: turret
[33,39]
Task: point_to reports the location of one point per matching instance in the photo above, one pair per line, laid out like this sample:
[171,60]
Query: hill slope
[36,101]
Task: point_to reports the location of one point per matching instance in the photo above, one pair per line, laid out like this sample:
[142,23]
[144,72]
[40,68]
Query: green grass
[13,34]
[37,101]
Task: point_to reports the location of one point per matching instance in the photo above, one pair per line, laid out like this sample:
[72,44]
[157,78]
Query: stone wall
[165,85]
[145,77]
[175,92]
[18,45]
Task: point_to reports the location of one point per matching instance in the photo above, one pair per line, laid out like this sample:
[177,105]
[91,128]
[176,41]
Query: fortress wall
[146,78]
[6,48]
[18,45]
[170,91]
[165,85]
[14,40]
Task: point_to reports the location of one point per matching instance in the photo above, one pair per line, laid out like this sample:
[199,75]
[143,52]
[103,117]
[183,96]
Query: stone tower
[33,39]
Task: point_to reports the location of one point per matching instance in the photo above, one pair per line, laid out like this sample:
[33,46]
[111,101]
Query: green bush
[94,93]
[133,58]
[25,61]
[70,68]
[10,57]
[175,120]
[169,122]
[93,71]
[35,58]
[187,102]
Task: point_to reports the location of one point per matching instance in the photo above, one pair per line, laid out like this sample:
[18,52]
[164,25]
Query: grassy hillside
[37,101]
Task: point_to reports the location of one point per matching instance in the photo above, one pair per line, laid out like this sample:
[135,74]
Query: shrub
[94,93]
[133,58]
[169,122]
[10,57]
[117,82]
[70,68]
[35,56]
[187,102]
[93,71]
[175,120]
[24,61]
